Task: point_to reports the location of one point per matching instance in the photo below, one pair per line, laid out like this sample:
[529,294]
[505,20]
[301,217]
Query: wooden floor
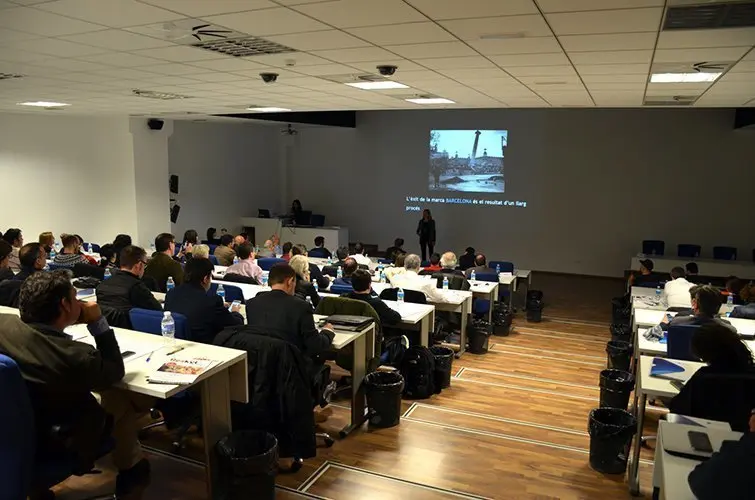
[513,425]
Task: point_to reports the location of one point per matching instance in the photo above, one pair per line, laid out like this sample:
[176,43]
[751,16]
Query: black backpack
[417,368]
[394,351]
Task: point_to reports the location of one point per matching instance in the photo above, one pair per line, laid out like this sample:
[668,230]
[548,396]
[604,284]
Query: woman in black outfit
[426,233]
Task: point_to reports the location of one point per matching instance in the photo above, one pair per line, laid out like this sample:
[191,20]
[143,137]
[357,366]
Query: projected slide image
[467,160]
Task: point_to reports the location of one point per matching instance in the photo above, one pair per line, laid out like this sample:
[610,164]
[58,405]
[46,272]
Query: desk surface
[344,338]
[654,386]
[652,317]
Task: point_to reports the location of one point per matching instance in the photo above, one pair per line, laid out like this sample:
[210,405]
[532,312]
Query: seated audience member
[206,314]
[349,266]
[397,248]
[200,251]
[287,247]
[107,256]
[89,259]
[413,281]
[33,258]
[706,301]
[677,290]
[69,256]
[191,238]
[125,289]
[361,281]
[434,266]
[119,243]
[468,259]
[724,354]
[341,254]
[448,264]
[691,269]
[162,266]
[304,287]
[267,251]
[279,314]
[47,240]
[15,239]
[315,274]
[246,265]
[62,374]
[480,266]
[238,240]
[734,287]
[729,473]
[398,268]
[5,251]
[212,236]
[645,275]
[319,251]
[359,255]
[224,252]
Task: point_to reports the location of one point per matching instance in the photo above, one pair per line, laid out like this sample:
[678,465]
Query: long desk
[652,317]
[224,382]
[707,267]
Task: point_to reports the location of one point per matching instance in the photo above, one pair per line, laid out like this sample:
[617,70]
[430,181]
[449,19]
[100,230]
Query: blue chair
[212,247]
[725,253]
[341,289]
[317,220]
[232,292]
[384,261]
[482,306]
[267,262]
[318,253]
[653,247]
[148,321]
[688,250]
[95,247]
[214,260]
[506,267]
[680,342]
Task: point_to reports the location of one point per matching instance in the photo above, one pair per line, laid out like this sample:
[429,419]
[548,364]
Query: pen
[149,357]
[175,351]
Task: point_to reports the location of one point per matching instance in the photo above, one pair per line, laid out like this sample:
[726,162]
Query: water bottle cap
[166,314]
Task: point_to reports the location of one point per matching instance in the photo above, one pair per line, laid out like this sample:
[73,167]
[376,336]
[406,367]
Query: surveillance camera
[269,77]
[387,69]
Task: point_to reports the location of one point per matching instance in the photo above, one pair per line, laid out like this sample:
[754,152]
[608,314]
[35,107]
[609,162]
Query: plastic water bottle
[473,275]
[658,295]
[221,292]
[52,252]
[730,300]
[168,327]
[108,274]
[339,272]
[309,301]
[498,269]
[400,296]
[317,287]
[264,280]
[330,259]
[235,260]
[382,276]
[89,248]
[445,282]
[170,284]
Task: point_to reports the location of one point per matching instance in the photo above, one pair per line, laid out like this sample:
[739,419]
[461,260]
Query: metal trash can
[247,463]
[444,358]
[615,387]
[383,391]
[619,355]
[611,431]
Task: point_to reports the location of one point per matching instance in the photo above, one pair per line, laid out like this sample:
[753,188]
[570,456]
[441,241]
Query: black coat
[206,315]
[456,279]
[315,274]
[387,315]
[729,473]
[124,291]
[6,274]
[306,289]
[280,391]
[426,230]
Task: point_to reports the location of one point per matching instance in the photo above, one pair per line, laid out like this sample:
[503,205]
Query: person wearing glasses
[125,289]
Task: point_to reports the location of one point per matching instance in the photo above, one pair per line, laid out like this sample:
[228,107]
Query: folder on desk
[663,368]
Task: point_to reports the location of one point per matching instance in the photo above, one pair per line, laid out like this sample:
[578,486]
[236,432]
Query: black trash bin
[620,331]
[619,355]
[478,335]
[502,319]
[611,431]
[247,462]
[534,306]
[384,397]
[444,358]
[615,386]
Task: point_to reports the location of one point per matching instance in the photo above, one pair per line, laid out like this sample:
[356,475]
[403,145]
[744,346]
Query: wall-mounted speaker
[174,210]
[174,184]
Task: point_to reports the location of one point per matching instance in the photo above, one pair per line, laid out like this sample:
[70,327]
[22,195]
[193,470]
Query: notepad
[663,368]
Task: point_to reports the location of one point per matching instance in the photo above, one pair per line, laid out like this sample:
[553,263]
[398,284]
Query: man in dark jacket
[468,259]
[162,265]
[361,281]
[397,248]
[314,271]
[480,267]
[125,289]
[33,258]
[349,268]
[746,311]
[206,314]
[61,374]
[279,314]
[706,301]
[5,271]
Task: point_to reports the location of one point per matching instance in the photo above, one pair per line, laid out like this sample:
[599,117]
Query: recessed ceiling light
[430,100]
[43,104]
[381,85]
[269,109]
[696,77]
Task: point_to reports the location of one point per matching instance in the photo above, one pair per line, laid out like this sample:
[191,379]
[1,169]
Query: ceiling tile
[398,34]
[427,50]
[619,41]
[279,21]
[358,54]
[471,62]
[117,40]
[618,98]
[473,29]
[55,47]
[599,22]
[684,39]
[545,80]
[541,71]
[454,9]
[43,23]
[743,66]
[121,59]
[637,78]
[402,64]
[326,69]
[699,55]
[610,69]
[180,53]
[623,87]
[288,59]
[612,57]
[580,5]
[554,59]
[459,74]
[353,14]
[319,40]
[113,13]
[228,64]
[12,36]
[528,45]
[197,8]
[7,54]
[175,69]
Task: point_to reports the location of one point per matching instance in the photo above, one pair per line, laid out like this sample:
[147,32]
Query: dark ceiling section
[346,119]
[710,16]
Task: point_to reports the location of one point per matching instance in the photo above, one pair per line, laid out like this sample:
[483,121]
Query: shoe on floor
[130,479]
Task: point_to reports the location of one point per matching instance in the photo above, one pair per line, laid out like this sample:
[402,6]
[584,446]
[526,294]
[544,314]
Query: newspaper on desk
[180,371]
[646,302]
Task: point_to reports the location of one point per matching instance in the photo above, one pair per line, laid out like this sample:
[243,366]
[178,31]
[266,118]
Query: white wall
[597,182]
[67,174]
[226,171]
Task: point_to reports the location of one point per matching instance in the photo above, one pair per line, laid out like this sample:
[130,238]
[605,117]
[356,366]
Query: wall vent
[244,47]
[710,16]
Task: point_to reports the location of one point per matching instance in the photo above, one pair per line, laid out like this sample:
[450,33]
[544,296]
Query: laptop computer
[349,323]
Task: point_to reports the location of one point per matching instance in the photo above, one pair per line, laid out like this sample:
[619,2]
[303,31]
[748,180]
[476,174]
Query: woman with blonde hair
[47,240]
[200,251]
[304,288]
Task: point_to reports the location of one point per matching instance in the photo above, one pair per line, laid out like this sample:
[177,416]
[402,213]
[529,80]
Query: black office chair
[455,281]
[653,247]
[303,218]
[725,253]
[680,342]
[688,250]
[411,296]
[317,220]
[239,278]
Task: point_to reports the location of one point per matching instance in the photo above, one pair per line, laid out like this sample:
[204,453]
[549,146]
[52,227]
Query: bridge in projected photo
[479,170]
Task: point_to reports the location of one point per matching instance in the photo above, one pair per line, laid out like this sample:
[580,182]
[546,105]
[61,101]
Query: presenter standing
[426,233]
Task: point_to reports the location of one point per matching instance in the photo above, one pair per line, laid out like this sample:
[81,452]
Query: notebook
[663,368]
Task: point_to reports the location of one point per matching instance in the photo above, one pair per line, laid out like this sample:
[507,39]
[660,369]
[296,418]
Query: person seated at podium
[349,267]
[296,209]
[359,255]
[319,251]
